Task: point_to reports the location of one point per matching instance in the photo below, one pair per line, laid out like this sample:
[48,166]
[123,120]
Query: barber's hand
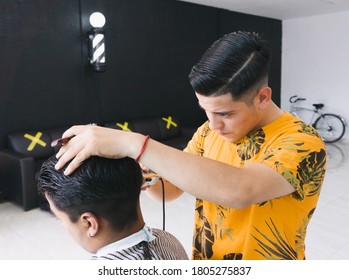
[144,168]
[91,140]
[145,188]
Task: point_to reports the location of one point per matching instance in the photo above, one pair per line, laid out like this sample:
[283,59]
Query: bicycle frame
[330,126]
[314,113]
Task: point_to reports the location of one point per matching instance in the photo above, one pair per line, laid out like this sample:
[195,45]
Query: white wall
[315,62]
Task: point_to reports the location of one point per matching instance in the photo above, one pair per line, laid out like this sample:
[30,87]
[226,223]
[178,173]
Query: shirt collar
[145,234]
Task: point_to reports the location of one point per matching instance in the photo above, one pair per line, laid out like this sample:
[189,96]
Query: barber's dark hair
[233,64]
[109,188]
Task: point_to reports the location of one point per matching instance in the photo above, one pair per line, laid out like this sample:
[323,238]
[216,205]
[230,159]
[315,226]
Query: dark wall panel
[46,79]
[40,73]
[150,49]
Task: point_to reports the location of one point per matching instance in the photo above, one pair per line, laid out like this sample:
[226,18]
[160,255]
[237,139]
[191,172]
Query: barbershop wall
[46,80]
[315,51]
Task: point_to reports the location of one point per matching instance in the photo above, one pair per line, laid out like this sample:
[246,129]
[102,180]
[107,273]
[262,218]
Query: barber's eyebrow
[217,112]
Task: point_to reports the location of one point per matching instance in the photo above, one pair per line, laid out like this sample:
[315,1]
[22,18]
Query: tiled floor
[37,235]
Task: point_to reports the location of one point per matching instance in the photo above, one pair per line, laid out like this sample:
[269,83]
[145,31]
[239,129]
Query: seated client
[99,206]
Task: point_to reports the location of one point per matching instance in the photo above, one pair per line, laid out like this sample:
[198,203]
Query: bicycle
[331,127]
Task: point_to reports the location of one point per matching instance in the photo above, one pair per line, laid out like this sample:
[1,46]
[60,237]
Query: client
[99,207]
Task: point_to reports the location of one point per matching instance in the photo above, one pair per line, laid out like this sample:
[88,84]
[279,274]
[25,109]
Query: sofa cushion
[34,143]
[56,133]
[179,143]
[161,128]
[121,125]
[148,127]
[169,127]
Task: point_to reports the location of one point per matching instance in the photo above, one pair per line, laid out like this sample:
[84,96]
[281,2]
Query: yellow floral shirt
[274,229]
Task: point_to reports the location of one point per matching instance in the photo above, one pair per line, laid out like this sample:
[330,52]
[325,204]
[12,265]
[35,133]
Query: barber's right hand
[144,168]
[92,140]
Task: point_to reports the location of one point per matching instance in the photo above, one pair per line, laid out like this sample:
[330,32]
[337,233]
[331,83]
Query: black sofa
[27,150]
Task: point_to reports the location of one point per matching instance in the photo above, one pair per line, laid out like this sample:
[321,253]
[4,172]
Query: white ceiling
[279,9]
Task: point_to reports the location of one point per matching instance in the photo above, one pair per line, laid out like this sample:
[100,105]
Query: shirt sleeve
[300,159]
[196,144]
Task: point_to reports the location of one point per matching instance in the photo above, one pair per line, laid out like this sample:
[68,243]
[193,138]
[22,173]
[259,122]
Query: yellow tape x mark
[34,140]
[169,122]
[124,126]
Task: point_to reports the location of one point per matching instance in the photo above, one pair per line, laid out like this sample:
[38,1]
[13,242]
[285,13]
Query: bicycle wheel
[331,127]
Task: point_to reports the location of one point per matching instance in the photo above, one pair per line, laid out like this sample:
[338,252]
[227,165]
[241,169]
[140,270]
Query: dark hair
[109,188]
[233,64]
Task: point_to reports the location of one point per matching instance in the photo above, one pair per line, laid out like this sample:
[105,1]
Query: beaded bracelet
[143,148]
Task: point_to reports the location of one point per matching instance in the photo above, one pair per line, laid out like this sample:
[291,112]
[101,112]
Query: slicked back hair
[236,63]
[109,188]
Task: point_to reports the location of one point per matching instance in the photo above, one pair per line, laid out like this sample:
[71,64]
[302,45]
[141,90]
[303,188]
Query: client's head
[97,204]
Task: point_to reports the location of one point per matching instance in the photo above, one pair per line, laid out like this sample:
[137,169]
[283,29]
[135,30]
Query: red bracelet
[143,148]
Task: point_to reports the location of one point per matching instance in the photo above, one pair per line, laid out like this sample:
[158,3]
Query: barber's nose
[215,123]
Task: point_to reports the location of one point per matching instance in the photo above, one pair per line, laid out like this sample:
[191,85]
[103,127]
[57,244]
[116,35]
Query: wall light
[96,42]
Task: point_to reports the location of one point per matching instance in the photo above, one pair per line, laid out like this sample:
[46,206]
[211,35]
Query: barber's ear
[264,95]
[90,224]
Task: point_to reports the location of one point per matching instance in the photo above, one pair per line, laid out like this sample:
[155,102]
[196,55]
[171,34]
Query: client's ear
[90,223]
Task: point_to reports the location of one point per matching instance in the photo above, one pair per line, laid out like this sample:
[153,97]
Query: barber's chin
[229,138]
